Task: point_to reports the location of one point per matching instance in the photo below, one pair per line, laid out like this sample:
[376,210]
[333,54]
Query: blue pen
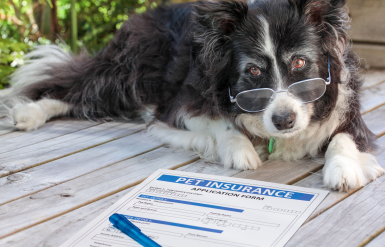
[123,224]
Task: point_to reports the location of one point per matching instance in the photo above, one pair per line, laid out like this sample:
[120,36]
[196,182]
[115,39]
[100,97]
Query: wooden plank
[372,56]
[27,157]
[50,130]
[381,151]
[49,239]
[205,167]
[61,170]
[284,172]
[378,241]
[373,120]
[349,222]
[56,231]
[315,181]
[367,20]
[194,168]
[52,202]
[372,78]
[372,98]
[5,130]
[334,197]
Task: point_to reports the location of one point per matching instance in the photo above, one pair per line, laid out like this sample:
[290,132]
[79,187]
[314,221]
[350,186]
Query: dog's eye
[255,71]
[299,63]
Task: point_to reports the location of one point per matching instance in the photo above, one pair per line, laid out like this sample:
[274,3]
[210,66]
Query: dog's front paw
[239,154]
[28,116]
[344,173]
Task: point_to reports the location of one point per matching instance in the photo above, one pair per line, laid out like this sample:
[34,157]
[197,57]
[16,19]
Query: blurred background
[91,24]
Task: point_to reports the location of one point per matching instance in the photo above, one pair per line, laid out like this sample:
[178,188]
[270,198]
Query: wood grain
[284,172]
[197,167]
[367,20]
[64,194]
[56,231]
[349,222]
[64,169]
[53,129]
[372,55]
[52,202]
[374,121]
[205,167]
[5,130]
[315,181]
[373,78]
[334,197]
[29,156]
[378,241]
[372,98]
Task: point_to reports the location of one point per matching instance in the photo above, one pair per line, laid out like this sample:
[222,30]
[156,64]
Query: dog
[221,78]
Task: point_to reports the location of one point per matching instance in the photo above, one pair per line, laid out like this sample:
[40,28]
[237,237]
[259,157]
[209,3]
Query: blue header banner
[255,190]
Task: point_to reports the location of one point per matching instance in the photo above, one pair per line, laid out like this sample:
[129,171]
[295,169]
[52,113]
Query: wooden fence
[368,31]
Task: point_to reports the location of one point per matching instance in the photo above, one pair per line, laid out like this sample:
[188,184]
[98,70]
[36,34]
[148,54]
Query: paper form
[182,209]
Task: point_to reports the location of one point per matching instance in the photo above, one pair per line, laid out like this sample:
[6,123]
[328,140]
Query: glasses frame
[327,82]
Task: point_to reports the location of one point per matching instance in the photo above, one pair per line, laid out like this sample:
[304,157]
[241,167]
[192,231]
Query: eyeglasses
[257,100]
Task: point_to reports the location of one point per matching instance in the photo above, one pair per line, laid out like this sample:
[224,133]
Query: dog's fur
[174,66]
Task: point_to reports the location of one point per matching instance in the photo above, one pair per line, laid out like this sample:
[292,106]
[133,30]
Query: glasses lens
[308,90]
[254,100]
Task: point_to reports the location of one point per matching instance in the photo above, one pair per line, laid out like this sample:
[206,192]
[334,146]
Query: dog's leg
[234,148]
[33,115]
[347,168]
[213,139]
[198,141]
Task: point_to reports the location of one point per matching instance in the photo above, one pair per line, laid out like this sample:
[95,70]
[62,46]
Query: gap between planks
[65,169]
[372,78]
[45,151]
[310,172]
[372,237]
[372,98]
[5,131]
[378,241]
[90,187]
[51,130]
[358,221]
[207,167]
[266,167]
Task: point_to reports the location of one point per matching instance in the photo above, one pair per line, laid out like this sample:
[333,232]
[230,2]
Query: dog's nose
[284,121]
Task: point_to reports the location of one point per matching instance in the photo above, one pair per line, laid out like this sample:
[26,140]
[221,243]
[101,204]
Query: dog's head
[273,44]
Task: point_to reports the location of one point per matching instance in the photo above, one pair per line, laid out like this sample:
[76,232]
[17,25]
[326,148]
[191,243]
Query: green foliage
[10,57]
[25,23]
[98,19]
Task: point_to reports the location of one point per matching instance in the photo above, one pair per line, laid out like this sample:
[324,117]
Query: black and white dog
[220,78]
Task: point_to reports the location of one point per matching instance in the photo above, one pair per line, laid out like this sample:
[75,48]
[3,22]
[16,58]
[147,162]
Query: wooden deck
[55,180]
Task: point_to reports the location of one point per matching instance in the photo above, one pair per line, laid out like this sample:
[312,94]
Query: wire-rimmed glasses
[256,100]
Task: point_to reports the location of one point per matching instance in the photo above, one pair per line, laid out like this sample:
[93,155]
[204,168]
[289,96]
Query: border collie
[220,78]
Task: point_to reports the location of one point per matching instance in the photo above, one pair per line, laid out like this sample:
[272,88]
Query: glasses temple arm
[232,100]
[329,78]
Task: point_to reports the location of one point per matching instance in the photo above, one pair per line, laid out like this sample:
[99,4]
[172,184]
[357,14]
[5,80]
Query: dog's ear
[330,18]
[216,21]
[223,16]
[318,11]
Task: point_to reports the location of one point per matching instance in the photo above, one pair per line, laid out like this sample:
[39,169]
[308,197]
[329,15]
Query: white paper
[182,209]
